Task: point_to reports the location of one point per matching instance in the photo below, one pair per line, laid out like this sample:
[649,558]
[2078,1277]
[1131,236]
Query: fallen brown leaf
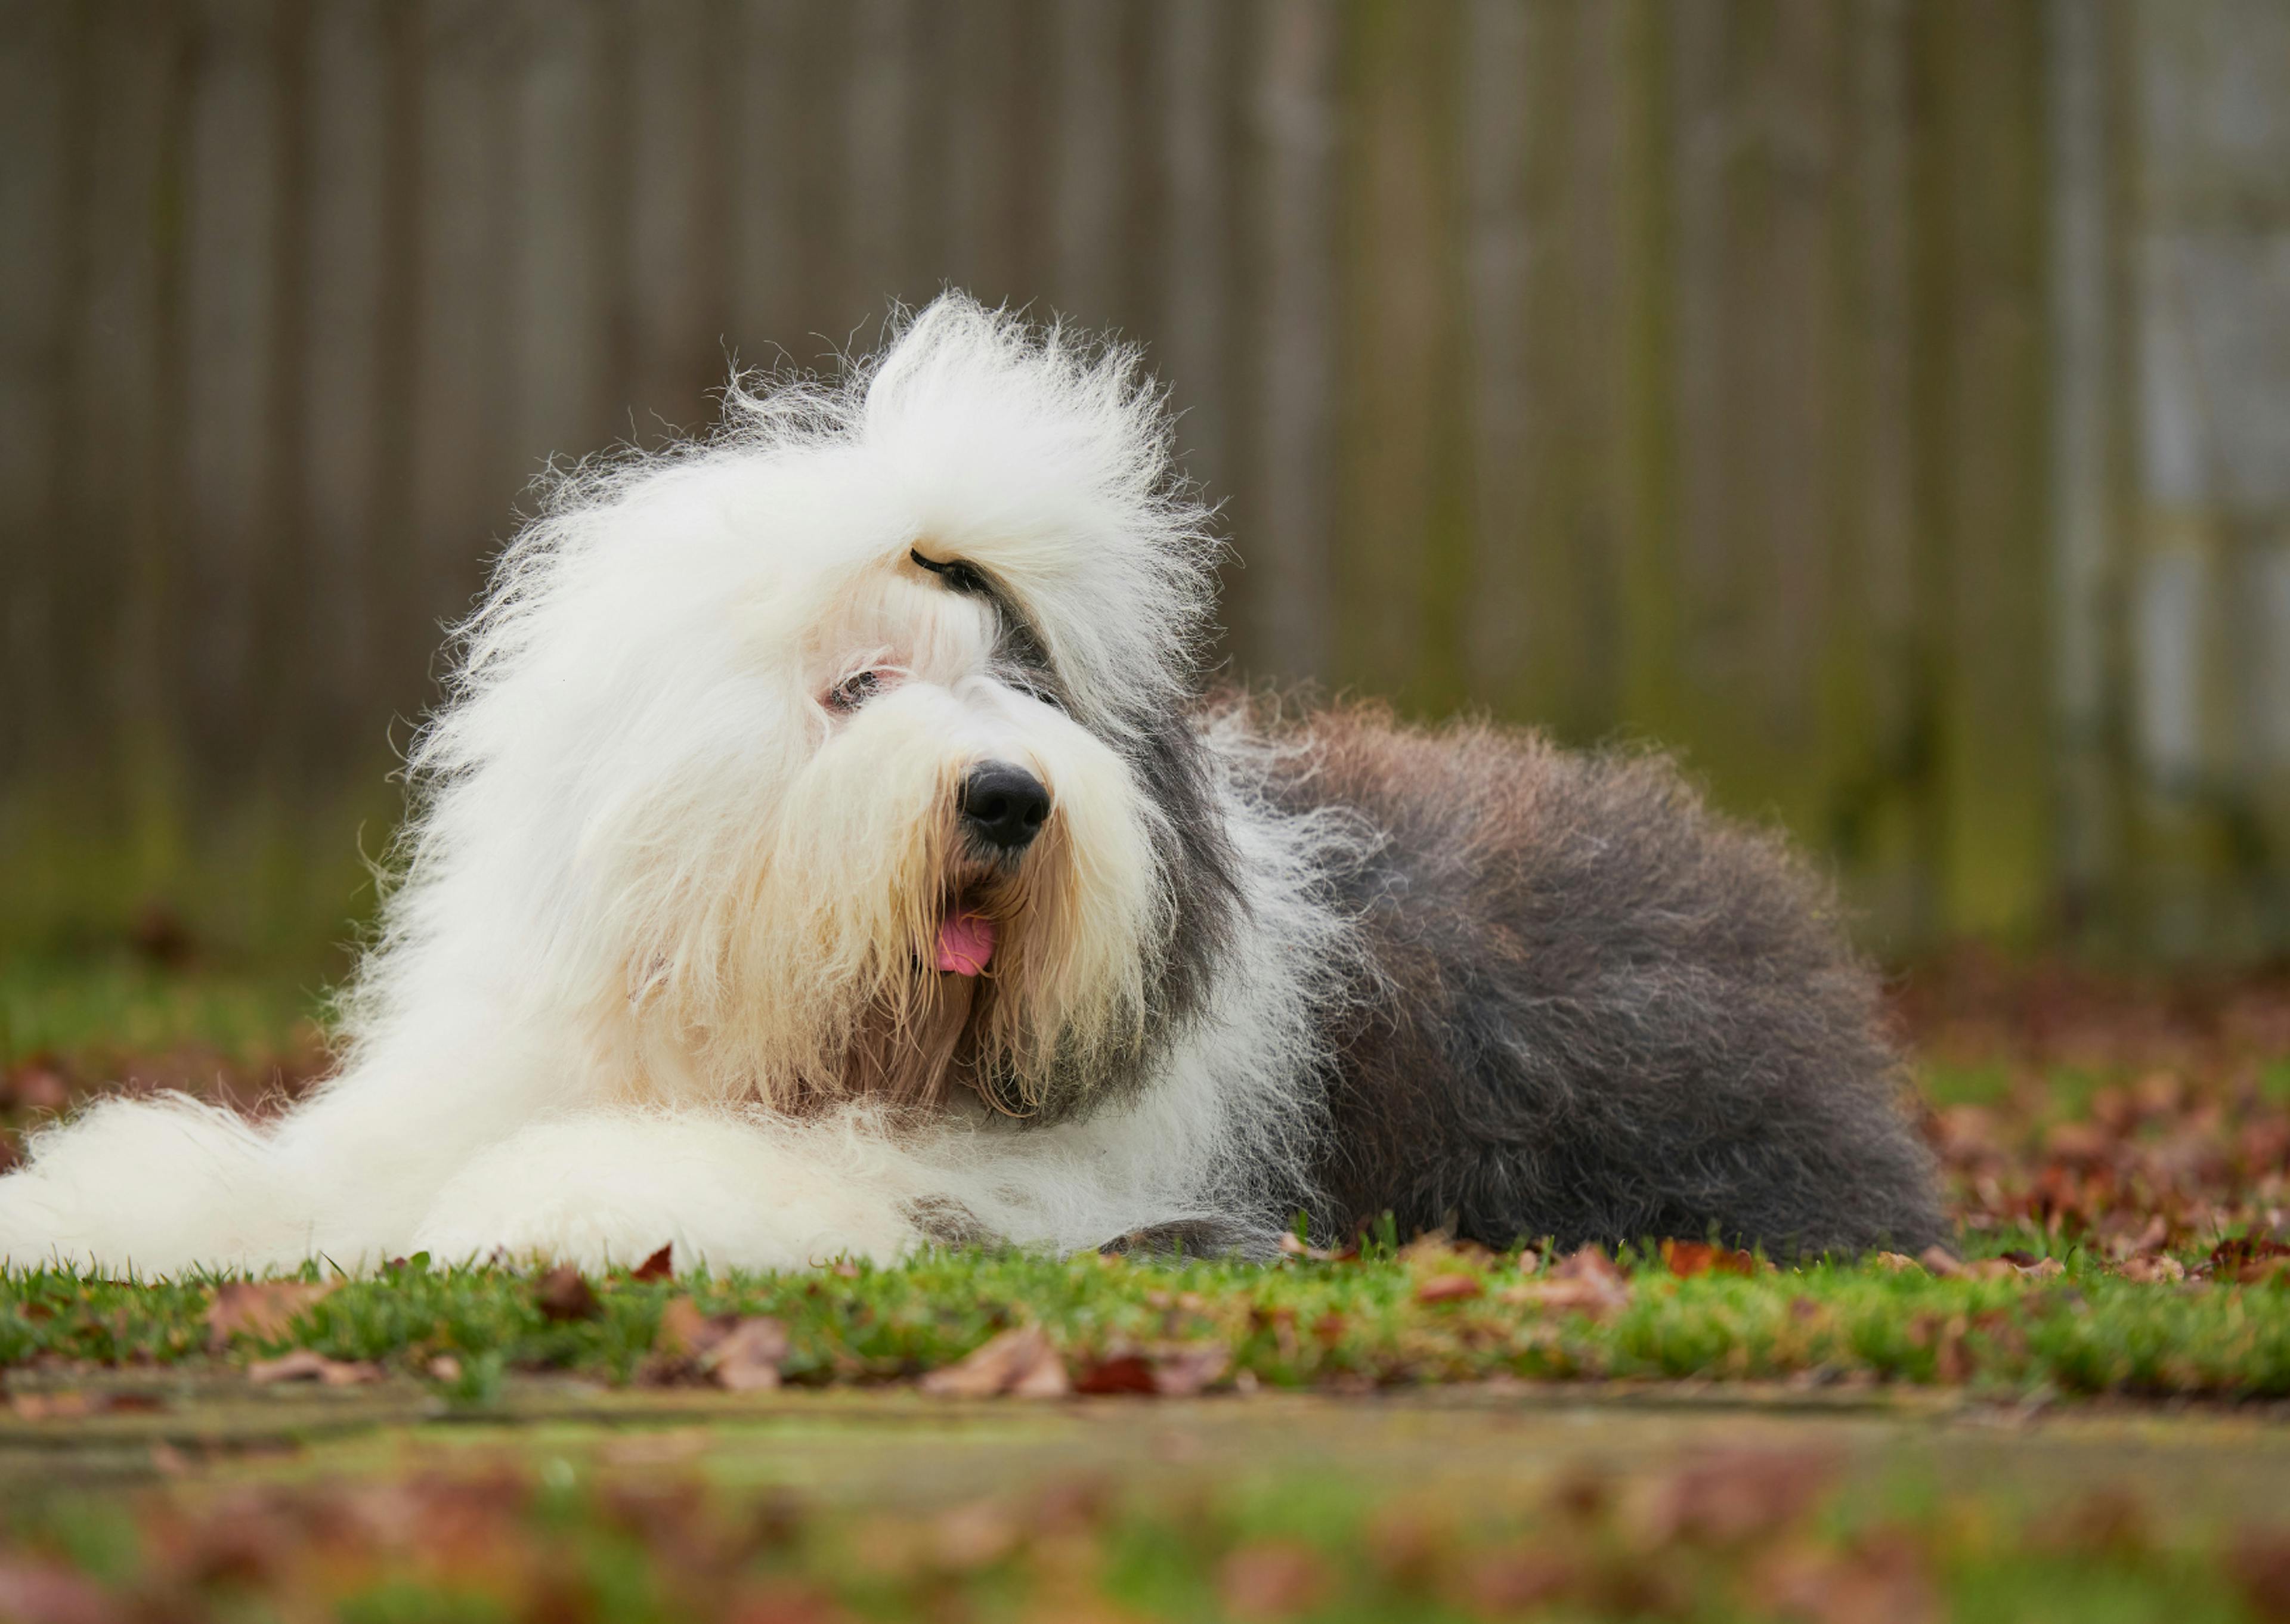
[2259,1563]
[2162,1270]
[68,1406]
[1020,1362]
[746,1358]
[1449,1288]
[1504,1583]
[1122,1372]
[1883,1583]
[684,1330]
[563,1294]
[974,1536]
[1687,1259]
[1181,1372]
[262,1310]
[1289,1246]
[1272,1578]
[660,1265]
[1584,1282]
[1728,1499]
[54,1595]
[304,1365]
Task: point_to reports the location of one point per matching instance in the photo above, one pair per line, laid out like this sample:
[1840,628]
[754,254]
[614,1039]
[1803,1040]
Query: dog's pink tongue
[965,943]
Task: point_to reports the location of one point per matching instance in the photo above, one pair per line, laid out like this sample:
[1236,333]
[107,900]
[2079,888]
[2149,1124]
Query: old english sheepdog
[827,849]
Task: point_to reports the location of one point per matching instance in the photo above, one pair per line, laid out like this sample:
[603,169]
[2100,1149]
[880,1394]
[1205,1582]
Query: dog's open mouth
[966,940]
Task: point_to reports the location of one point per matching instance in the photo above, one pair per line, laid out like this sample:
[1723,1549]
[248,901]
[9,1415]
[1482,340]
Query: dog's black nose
[1004,806]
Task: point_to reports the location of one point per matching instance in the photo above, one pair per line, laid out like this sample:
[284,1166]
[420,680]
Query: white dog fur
[653,882]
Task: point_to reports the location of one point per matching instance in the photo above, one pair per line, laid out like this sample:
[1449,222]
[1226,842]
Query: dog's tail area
[152,1187]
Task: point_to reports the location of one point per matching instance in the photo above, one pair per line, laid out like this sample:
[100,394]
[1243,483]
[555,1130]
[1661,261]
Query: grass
[1379,1321]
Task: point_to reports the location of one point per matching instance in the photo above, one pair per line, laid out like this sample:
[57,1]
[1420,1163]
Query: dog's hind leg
[727,1190]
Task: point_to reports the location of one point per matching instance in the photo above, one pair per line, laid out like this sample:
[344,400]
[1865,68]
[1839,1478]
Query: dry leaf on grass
[660,1265]
[1289,1246]
[54,1595]
[1584,1282]
[1272,1578]
[68,1406]
[739,1355]
[262,1310]
[1687,1259]
[1449,1288]
[1020,1362]
[2153,1271]
[1731,1498]
[1174,1371]
[2250,1260]
[1884,1583]
[2260,1562]
[747,1358]
[974,1536]
[563,1294]
[1499,1583]
[304,1365]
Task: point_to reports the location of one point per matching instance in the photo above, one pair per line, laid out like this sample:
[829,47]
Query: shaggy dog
[826,849]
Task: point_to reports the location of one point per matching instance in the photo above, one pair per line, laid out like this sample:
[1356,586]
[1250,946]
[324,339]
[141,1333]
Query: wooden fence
[1885,402]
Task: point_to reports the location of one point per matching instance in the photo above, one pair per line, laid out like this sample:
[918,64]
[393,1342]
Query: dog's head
[850,752]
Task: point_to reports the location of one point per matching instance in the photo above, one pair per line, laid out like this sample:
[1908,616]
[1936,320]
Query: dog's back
[1597,1011]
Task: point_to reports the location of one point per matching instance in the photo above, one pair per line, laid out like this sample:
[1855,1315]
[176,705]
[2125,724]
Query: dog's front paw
[547,1230]
[610,1191]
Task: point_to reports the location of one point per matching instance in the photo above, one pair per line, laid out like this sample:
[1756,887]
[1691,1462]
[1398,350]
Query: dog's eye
[854,690]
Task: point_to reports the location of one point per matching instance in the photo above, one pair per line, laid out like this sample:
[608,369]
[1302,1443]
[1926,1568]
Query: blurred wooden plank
[1501,49]
[1878,813]
[1194,42]
[1641,470]
[38,84]
[768,243]
[986,110]
[233,215]
[559,364]
[2087,543]
[878,148]
[1290,593]
[1982,457]
[343,293]
[117,588]
[1087,171]
[678,237]
[1576,639]
[1402,561]
[1788,230]
[465,479]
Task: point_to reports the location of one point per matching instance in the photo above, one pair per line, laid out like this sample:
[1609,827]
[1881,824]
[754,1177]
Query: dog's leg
[727,1191]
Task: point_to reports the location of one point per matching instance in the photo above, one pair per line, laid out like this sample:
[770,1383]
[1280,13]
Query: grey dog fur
[1595,1010]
